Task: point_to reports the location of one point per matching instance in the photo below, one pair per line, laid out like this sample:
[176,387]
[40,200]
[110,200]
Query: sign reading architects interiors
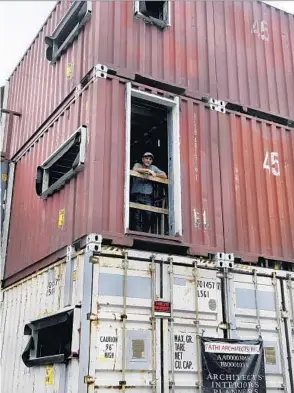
[232,366]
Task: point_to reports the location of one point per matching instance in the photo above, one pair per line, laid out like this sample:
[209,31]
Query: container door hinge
[95,259]
[224,326]
[89,380]
[100,71]
[224,260]
[217,105]
[284,314]
[92,317]
[171,384]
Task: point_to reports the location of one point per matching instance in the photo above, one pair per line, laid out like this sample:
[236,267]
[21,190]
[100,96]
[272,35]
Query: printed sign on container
[232,366]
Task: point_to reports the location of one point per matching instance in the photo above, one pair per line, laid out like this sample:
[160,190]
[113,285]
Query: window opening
[156,12]
[68,28]
[63,164]
[55,340]
[50,341]
[153,200]
[152,8]
[69,160]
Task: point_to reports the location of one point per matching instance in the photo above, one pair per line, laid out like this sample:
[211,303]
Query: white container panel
[186,358]
[39,295]
[133,344]
[257,313]
[147,353]
[108,334]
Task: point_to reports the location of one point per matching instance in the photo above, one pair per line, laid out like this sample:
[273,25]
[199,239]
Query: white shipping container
[136,320]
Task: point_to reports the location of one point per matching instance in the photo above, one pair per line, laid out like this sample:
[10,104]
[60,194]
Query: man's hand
[148,172]
[151,173]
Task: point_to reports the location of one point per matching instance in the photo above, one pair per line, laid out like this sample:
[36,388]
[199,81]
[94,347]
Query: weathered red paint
[36,87]
[100,189]
[209,50]
[229,201]
[257,191]
[34,231]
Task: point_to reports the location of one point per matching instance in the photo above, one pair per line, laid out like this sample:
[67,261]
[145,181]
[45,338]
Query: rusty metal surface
[36,87]
[34,228]
[93,202]
[100,189]
[235,197]
[257,166]
[240,51]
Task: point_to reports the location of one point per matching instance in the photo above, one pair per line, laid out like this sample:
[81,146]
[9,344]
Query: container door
[124,355]
[196,309]
[257,312]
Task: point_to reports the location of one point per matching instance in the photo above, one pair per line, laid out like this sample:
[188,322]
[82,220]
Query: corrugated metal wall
[36,88]
[257,167]
[238,51]
[34,230]
[100,189]
[254,311]
[253,68]
[235,196]
[30,299]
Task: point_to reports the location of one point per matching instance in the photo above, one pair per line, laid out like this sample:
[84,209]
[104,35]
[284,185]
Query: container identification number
[260,28]
[51,287]
[203,288]
[271,163]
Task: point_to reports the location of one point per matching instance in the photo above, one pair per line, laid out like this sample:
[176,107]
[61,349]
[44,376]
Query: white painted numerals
[261,29]
[271,163]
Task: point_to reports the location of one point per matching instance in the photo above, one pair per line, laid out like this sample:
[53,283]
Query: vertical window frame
[174,174]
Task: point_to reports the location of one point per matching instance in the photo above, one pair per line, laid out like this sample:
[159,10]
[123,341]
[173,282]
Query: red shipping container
[237,51]
[240,52]
[237,188]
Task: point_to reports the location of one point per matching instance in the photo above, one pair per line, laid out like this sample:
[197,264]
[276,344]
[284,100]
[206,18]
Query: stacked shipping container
[237,187]
[108,354]
[225,169]
[241,52]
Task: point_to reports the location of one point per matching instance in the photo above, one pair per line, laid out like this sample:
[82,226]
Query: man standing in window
[142,192]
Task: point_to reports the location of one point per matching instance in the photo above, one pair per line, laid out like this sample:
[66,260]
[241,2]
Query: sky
[21,20]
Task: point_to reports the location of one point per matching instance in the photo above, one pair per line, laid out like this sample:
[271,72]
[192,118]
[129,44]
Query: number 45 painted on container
[271,163]
[260,28]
